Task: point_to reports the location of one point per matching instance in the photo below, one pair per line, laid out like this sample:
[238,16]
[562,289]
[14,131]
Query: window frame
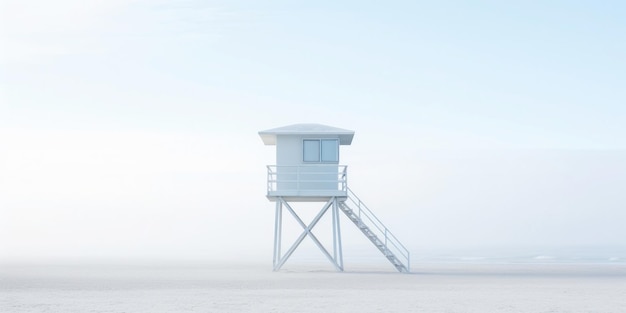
[320,159]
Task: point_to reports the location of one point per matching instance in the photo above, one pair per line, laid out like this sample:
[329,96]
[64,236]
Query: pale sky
[129,128]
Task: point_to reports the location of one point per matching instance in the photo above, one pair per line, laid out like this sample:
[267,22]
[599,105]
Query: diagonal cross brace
[307,232]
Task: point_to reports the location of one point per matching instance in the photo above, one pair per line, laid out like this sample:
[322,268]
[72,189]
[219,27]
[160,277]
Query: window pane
[330,150]
[311,151]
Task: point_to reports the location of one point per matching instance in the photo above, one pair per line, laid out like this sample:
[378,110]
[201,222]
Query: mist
[169,196]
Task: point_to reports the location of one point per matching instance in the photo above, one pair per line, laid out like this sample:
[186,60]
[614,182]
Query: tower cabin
[307,162]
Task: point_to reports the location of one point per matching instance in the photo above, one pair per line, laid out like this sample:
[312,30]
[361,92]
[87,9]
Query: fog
[107,196]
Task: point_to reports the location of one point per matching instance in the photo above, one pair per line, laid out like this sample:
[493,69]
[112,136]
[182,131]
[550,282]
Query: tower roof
[269,136]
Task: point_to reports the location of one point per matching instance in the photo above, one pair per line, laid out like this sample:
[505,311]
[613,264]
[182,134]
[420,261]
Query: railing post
[269,171]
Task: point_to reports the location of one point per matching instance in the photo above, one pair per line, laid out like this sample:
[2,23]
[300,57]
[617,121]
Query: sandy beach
[255,288]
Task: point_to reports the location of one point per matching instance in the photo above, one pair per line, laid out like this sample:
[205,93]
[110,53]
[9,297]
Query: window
[330,150]
[321,150]
[311,151]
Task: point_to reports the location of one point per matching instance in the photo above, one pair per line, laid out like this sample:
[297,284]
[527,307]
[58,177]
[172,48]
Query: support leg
[337,235]
[334,231]
[277,233]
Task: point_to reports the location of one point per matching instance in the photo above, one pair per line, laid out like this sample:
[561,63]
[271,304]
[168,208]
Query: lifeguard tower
[307,170]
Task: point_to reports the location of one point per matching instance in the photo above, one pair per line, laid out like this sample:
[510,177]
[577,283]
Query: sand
[306,288]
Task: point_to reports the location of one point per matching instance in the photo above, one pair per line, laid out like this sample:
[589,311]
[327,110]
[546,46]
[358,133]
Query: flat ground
[244,288]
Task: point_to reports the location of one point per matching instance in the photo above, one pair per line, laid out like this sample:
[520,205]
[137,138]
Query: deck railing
[314,177]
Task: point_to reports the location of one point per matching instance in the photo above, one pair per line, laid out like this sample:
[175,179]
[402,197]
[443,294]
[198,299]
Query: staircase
[376,232]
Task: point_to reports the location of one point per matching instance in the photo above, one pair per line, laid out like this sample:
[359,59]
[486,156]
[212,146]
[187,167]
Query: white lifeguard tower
[307,170]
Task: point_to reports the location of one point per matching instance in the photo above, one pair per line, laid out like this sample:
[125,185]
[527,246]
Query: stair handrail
[389,236]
